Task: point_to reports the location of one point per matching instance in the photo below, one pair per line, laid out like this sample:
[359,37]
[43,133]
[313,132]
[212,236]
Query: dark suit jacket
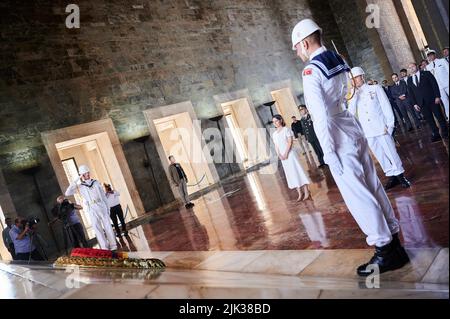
[427,91]
[399,90]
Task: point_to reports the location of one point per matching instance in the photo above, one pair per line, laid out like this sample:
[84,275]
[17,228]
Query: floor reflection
[258,211]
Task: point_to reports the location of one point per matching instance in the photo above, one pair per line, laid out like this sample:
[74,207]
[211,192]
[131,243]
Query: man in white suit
[372,108]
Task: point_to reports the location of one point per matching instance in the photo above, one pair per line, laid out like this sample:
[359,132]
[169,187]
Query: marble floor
[250,238]
[259,212]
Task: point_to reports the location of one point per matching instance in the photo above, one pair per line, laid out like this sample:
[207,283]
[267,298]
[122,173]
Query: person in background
[283,139]
[299,134]
[7,238]
[400,93]
[375,82]
[22,236]
[426,96]
[398,115]
[372,108]
[445,54]
[440,69]
[423,65]
[310,134]
[115,210]
[66,212]
[179,178]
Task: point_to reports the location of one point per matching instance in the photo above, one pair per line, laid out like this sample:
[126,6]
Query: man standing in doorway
[299,134]
[180,180]
[346,150]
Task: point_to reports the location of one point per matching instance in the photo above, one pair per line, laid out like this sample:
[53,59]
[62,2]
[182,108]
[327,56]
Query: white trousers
[101,222]
[383,147]
[364,195]
[444,98]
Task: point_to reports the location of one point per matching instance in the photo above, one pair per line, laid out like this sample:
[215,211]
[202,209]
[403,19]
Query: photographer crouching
[22,235]
[66,212]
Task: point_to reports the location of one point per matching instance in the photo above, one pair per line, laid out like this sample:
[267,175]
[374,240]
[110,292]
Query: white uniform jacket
[326,103]
[372,108]
[440,69]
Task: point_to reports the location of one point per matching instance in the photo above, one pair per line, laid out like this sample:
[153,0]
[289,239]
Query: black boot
[436,138]
[403,181]
[400,250]
[386,258]
[392,182]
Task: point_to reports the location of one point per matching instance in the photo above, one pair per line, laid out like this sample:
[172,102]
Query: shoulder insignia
[308,72]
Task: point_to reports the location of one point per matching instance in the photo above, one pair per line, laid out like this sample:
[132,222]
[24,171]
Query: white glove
[77,181]
[390,130]
[334,163]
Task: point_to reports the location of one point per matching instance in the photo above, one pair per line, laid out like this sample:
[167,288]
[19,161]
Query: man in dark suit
[426,96]
[397,114]
[310,134]
[399,92]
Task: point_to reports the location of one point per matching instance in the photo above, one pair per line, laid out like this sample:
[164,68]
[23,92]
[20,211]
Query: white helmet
[83,169]
[302,30]
[357,71]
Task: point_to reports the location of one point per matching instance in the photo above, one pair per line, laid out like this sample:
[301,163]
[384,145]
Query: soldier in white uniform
[345,147]
[372,108]
[440,69]
[96,205]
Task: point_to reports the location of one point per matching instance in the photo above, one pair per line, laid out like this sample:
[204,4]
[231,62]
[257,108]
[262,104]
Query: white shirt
[440,69]
[372,108]
[326,103]
[113,199]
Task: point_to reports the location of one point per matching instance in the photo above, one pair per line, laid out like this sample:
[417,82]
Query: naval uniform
[440,69]
[311,137]
[345,147]
[95,204]
[372,108]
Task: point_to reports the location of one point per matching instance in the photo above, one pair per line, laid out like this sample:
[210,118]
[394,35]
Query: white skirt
[295,174]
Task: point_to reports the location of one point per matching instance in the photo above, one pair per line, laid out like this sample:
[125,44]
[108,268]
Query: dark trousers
[12,251]
[428,112]
[406,108]
[116,212]
[78,236]
[318,150]
[35,255]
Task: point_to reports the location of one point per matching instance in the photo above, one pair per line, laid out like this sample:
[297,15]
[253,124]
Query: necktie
[416,79]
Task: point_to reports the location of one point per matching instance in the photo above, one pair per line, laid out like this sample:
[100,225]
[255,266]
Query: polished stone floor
[259,212]
[249,238]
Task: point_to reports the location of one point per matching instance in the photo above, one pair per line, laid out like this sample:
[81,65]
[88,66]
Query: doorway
[285,104]
[175,133]
[97,153]
[247,136]
[4,253]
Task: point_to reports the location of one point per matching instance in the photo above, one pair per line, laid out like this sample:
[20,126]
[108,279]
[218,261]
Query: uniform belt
[95,201]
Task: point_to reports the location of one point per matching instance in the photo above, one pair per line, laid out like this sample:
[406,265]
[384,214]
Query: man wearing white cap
[440,69]
[96,205]
[372,108]
[345,148]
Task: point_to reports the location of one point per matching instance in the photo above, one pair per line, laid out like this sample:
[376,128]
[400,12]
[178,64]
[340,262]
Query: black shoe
[386,258]
[322,166]
[436,138]
[392,182]
[125,233]
[403,181]
[400,250]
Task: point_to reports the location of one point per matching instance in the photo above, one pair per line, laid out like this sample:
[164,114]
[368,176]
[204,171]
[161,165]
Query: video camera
[65,208]
[30,221]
